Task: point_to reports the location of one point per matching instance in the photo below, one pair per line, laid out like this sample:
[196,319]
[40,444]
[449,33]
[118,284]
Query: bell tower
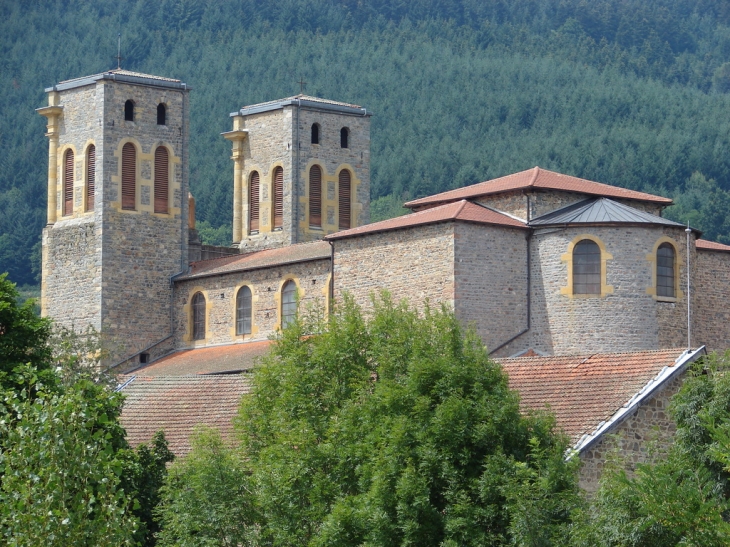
[116,228]
[301,171]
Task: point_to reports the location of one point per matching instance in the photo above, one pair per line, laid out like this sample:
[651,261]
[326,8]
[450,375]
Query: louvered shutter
[344,199]
[129,176]
[161,179]
[315,196]
[90,177]
[278,197]
[253,202]
[68,183]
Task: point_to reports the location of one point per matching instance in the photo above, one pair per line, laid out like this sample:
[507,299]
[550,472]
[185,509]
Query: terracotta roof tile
[704,245]
[176,404]
[301,252]
[584,390]
[537,178]
[209,360]
[459,210]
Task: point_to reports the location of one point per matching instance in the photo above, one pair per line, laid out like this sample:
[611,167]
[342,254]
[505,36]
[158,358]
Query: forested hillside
[627,92]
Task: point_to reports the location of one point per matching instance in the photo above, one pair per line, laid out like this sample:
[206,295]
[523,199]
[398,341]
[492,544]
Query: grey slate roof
[305,101]
[600,211]
[120,75]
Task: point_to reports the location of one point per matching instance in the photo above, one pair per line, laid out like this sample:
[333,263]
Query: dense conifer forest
[634,93]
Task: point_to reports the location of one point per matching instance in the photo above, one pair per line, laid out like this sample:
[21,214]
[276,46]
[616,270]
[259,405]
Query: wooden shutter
[278,197]
[315,196]
[253,202]
[68,183]
[161,179]
[344,199]
[90,177]
[129,176]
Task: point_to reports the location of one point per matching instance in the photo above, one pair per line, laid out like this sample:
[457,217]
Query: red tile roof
[301,252]
[460,210]
[176,404]
[537,178]
[704,245]
[584,390]
[208,360]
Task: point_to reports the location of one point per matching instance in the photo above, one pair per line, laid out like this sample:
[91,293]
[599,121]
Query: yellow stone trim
[254,300]
[277,296]
[568,259]
[678,263]
[237,136]
[355,206]
[173,185]
[188,312]
[52,113]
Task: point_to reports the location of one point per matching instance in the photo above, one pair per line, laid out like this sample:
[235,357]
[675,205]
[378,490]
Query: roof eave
[249,269]
[310,105]
[340,235]
[613,223]
[123,78]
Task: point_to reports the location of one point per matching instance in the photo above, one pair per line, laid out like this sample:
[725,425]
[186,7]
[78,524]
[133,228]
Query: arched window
[315,196]
[278,198]
[344,192]
[129,111]
[315,133]
[68,183]
[344,137]
[665,270]
[90,176]
[161,114]
[586,267]
[288,303]
[253,203]
[243,311]
[198,305]
[129,177]
[162,161]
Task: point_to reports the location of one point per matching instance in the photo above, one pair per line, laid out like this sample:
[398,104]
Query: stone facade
[312,280]
[281,137]
[414,263]
[110,267]
[711,315]
[641,438]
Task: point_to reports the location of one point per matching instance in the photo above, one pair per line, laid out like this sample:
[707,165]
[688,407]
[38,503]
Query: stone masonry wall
[332,159]
[711,313]
[142,249]
[269,144]
[490,270]
[624,318]
[643,437]
[220,292]
[413,263]
[71,280]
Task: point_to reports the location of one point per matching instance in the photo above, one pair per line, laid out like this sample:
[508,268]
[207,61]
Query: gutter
[667,374]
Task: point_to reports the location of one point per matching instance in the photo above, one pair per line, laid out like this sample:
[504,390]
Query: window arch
[198,309]
[344,137]
[344,201]
[243,311]
[288,303]
[68,182]
[278,198]
[315,196]
[161,114]
[129,177]
[586,267]
[253,202]
[90,176]
[665,274]
[315,133]
[129,110]
[162,162]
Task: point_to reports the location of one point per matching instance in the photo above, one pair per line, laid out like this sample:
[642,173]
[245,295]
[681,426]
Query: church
[593,302]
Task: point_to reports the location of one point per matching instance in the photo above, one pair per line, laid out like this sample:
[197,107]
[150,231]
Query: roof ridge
[534,177]
[461,208]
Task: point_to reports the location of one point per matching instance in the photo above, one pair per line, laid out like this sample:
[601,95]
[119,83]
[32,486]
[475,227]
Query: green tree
[391,429]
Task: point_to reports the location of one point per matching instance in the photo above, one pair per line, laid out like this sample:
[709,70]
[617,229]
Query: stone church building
[593,302]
